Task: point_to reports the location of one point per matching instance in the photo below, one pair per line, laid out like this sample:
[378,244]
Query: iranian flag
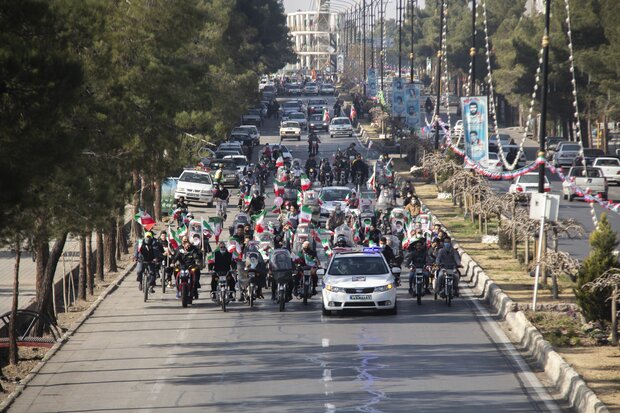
[173,240]
[211,257]
[299,198]
[305,214]
[308,260]
[371,182]
[258,219]
[278,187]
[143,218]
[353,113]
[279,162]
[305,182]
[326,247]
[275,209]
[180,232]
[216,224]
[247,199]
[232,246]
[326,116]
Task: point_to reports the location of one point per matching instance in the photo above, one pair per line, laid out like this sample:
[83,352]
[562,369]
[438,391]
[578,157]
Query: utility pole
[438,74]
[472,51]
[543,98]
[411,56]
[381,52]
[400,36]
[372,35]
[364,44]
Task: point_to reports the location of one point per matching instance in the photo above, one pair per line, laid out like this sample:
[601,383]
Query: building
[315,39]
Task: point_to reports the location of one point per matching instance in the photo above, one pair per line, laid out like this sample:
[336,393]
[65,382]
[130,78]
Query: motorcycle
[220,208]
[222,295]
[304,286]
[448,285]
[148,277]
[418,291]
[397,223]
[326,178]
[249,281]
[281,270]
[185,284]
[312,174]
[314,148]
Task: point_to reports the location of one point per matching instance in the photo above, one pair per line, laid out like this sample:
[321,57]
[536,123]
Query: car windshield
[347,265]
[334,194]
[310,84]
[248,129]
[316,117]
[290,105]
[240,161]
[592,172]
[342,121]
[290,125]
[529,179]
[296,116]
[317,102]
[189,176]
[571,147]
[225,164]
[608,162]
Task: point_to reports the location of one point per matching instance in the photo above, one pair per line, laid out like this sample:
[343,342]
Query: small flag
[216,224]
[371,182]
[211,257]
[308,260]
[143,218]
[389,170]
[305,214]
[173,240]
[247,199]
[326,116]
[326,247]
[278,187]
[279,162]
[353,113]
[305,182]
[258,219]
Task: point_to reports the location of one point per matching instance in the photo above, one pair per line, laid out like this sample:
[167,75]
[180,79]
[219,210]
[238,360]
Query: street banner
[398,97]
[412,102]
[371,81]
[475,127]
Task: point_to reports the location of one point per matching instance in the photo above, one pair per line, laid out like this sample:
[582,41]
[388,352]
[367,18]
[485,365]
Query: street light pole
[372,35]
[381,53]
[399,6]
[543,97]
[438,74]
[472,51]
[411,14]
[364,44]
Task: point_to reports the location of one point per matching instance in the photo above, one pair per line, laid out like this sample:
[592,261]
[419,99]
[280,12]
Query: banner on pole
[475,127]
[412,101]
[398,98]
[371,81]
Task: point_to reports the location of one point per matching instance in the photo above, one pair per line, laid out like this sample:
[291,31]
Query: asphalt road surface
[159,357]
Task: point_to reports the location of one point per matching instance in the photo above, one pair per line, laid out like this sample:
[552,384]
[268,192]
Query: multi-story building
[315,38]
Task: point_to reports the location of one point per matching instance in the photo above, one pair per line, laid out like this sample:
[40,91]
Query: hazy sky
[294,5]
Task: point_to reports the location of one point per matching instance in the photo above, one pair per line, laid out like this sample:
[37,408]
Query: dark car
[229,169]
[316,122]
[316,106]
[589,154]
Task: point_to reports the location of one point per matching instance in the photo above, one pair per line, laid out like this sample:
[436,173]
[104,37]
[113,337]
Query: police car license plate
[360,297]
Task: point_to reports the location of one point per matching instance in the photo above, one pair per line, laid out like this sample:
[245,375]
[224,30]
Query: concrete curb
[65,337]
[566,380]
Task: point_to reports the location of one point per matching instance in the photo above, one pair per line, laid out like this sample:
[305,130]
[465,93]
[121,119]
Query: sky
[295,5]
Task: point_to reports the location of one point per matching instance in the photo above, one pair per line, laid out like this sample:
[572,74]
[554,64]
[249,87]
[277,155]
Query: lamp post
[543,98]
[372,35]
[382,52]
[411,55]
[438,75]
[399,7]
[364,44]
[472,51]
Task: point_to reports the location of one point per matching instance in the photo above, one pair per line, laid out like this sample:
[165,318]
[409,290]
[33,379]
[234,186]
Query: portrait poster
[475,127]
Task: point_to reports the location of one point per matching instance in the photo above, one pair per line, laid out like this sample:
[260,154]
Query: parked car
[241,163]
[290,129]
[552,142]
[291,106]
[527,184]
[340,127]
[254,133]
[589,155]
[565,153]
[252,118]
[316,123]
[610,167]
[195,186]
[493,163]
[590,177]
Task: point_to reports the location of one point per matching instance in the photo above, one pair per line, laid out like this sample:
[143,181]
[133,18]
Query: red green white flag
[143,218]
[279,162]
[216,224]
[173,240]
[305,182]
[305,214]
[258,221]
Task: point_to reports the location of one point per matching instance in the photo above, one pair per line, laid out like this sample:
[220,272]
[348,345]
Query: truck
[610,167]
[591,178]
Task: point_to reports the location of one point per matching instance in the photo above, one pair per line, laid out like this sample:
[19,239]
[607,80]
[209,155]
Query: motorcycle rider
[147,253]
[257,204]
[336,219]
[310,164]
[309,258]
[352,200]
[388,253]
[267,151]
[417,258]
[325,169]
[221,195]
[450,259]
[238,235]
[190,257]
[374,234]
[358,166]
[180,211]
[313,138]
[222,264]
[351,152]
[167,254]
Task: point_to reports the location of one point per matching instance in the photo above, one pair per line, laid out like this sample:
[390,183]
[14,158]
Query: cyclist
[148,253]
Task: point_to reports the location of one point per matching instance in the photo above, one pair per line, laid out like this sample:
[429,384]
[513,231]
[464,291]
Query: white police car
[359,280]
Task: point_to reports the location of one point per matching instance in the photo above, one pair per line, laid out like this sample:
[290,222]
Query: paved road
[132,356]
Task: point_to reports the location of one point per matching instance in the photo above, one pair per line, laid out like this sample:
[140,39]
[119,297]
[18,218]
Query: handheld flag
[258,219]
[143,218]
[279,162]
[305,214]
[305,182]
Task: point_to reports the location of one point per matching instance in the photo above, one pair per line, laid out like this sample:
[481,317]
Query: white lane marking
[327,375]
[329,408]
[508,348]
[325,342]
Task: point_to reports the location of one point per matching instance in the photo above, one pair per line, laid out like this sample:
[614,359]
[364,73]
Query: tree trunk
[42,252]
[13,350]
[90,264]
[83,270]
[527,250]
[99,253]
[44,303]
[157,201]
[109,249]
[121,236]
[513,231]
[614,316]
[136,229]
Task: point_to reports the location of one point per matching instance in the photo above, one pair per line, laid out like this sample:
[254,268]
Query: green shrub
[603,242]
